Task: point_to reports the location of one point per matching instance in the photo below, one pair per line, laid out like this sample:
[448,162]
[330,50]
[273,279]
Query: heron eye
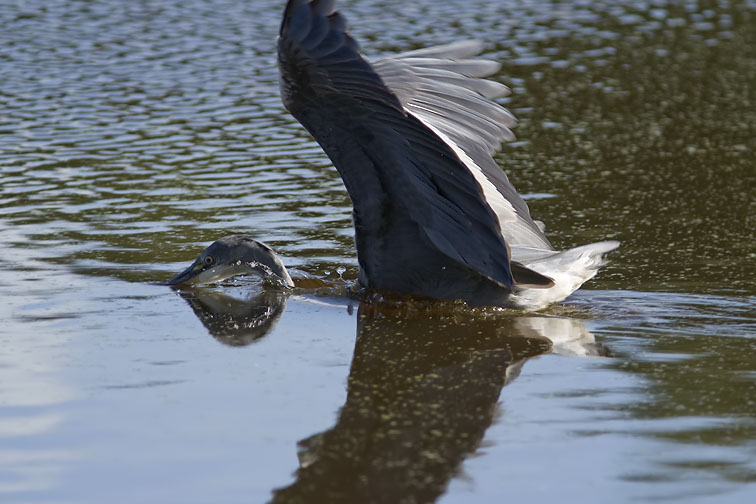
[209,261]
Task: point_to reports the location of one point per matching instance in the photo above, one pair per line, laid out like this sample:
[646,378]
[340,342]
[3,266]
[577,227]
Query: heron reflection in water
[423,387]
[412,136]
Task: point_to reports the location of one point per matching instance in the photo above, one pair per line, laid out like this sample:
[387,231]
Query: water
[133,134]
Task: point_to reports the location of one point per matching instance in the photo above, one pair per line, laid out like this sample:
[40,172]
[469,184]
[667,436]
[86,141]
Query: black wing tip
[323,7]
[296,9]
[316,55]
[302,24]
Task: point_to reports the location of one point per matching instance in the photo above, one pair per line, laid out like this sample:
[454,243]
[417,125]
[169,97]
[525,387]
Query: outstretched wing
[405,182]
[445,89]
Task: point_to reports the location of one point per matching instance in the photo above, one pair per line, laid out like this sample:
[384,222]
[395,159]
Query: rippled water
[134,133]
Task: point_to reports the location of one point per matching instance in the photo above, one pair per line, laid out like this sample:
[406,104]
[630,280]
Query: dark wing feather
[443,88]
[409,189]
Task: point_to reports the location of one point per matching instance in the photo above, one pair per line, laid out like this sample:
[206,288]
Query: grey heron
[231,256]
[413,137]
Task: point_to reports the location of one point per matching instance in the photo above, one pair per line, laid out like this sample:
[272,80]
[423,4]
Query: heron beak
[188,275]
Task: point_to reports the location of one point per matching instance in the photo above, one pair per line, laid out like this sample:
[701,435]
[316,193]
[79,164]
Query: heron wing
[444,88]
[395,168]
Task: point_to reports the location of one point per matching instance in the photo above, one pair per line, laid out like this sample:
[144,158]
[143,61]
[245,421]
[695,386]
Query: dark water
[134,133]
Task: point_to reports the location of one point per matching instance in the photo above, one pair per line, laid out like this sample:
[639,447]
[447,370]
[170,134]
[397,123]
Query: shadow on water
[423,387]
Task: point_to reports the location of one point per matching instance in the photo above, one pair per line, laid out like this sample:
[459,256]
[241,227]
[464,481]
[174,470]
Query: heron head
[234,255]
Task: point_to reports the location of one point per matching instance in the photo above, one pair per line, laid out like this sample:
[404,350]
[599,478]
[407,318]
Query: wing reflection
[568,336]
[422,390]
[234,321]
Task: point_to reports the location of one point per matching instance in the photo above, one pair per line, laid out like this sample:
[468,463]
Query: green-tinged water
[132,134]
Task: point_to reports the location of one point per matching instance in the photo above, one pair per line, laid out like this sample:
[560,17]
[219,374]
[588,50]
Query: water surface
[133,134]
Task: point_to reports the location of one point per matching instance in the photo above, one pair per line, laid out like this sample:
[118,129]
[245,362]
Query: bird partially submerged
[231,256]
[412,136]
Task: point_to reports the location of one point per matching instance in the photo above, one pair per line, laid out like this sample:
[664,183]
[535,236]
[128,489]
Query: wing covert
[446,89]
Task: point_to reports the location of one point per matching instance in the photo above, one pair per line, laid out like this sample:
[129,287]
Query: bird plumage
[412,136]
[234,255]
